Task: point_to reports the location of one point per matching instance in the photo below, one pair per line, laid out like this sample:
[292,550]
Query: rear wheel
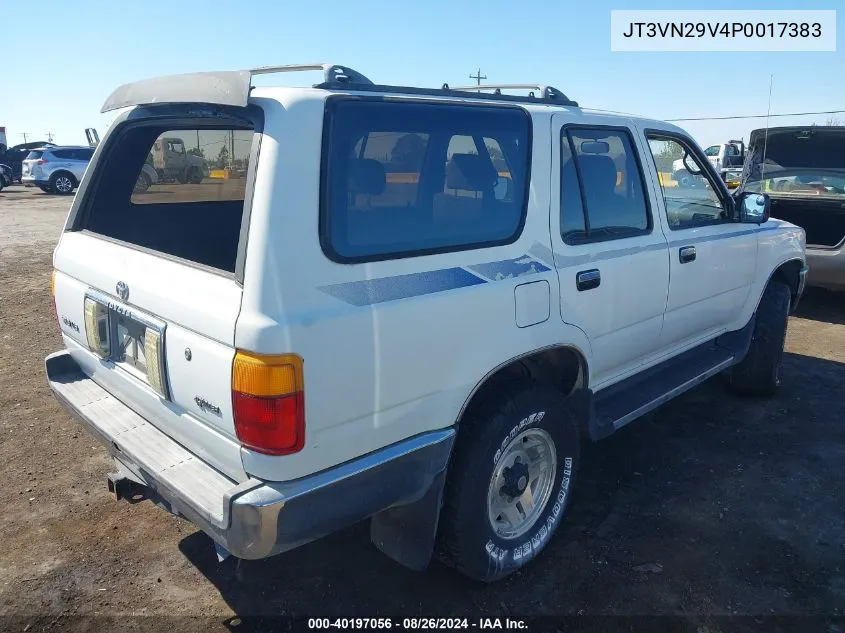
[509,482]
[62,183]
[194,176]
[143,183]
[759,372]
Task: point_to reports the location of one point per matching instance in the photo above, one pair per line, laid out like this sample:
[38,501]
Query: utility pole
[24,136]
[478,77]
[49,137]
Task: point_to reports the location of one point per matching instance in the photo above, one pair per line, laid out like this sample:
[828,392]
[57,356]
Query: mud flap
[407,533]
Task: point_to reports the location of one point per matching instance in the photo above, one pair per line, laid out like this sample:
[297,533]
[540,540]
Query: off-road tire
[759,372]
[467,539]
[194,176]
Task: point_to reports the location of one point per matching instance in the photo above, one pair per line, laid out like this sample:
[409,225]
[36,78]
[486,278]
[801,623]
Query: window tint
[689,196]
[84,154]
[34,155]
[180,162]
[184,203]
[64,154]
[606,167]
[406,178]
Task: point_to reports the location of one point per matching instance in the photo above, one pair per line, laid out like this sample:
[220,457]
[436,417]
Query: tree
[667,155]
[832,120]
[223,156]
[197,151]
[408,152]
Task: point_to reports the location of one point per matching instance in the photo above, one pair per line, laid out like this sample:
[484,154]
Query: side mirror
[753,207]
[502,189]
[689,163]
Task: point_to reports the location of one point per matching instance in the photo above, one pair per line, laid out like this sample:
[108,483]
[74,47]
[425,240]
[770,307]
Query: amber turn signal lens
[268,402]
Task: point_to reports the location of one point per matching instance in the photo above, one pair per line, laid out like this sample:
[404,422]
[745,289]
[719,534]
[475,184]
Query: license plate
[129,346]
[127,331]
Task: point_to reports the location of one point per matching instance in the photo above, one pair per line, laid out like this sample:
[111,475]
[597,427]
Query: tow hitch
[124,488]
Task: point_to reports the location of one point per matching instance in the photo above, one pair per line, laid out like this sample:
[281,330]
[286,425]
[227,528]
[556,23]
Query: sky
[57,80]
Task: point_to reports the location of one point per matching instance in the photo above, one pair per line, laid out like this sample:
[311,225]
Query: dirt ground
[712,506]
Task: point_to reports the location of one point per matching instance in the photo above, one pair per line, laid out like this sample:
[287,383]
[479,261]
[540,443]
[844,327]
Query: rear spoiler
[228,87]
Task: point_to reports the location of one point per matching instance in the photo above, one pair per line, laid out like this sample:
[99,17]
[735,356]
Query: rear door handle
[588,279]
[686,254]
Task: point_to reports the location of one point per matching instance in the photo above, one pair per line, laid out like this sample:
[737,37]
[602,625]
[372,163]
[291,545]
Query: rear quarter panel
[375,372]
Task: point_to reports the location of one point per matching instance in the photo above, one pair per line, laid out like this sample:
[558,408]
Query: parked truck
[173,163]
[726,158]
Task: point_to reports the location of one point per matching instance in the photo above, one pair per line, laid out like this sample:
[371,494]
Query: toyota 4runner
[409,309]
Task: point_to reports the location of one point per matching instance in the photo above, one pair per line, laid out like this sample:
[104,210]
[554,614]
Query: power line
[756,116]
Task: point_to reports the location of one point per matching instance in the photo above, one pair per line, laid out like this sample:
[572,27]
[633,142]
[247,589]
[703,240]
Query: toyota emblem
[122,291]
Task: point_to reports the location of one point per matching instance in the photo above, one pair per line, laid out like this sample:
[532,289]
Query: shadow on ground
[737,503]
[822,305]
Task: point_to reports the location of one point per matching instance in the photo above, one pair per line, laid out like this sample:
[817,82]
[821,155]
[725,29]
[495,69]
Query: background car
[5,176]
[56,169]
[14,156]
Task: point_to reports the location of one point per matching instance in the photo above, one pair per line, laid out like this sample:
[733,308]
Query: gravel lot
[712,506]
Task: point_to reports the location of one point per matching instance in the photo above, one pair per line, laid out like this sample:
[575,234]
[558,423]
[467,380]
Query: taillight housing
[97,327]
[268,402]
[41,161]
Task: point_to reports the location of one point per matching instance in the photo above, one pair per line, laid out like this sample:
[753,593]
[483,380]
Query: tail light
[268,402]
[41,161]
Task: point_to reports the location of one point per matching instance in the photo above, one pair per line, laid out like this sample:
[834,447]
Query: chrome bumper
[253,519]
[802,286]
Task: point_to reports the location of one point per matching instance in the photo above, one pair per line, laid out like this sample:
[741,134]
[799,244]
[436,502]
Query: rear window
[404,179]
[34,156]
[175,191]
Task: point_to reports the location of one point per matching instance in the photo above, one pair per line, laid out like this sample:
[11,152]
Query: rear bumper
[827,267]
[254,519]
[28,181]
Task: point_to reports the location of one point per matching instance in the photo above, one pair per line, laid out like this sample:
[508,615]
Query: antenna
[766,138]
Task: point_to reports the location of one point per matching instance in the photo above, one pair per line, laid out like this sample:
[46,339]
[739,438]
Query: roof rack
[232,87]
[548,93]
[332,73]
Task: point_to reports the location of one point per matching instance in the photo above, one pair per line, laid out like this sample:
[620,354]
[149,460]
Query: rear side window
[175,191]
[602,190]
[405,179]
[34,156]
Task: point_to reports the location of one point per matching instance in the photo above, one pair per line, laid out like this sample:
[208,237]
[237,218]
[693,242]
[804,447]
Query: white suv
[409,309]
[55,169]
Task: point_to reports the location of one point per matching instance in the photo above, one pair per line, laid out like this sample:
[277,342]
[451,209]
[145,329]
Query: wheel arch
[562,366]
[789,272]
[65,172]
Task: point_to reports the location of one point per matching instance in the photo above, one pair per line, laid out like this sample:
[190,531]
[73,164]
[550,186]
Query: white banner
[715,30]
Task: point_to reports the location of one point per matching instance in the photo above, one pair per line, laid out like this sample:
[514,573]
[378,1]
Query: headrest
[599,171]
[470,171]
[366,175]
